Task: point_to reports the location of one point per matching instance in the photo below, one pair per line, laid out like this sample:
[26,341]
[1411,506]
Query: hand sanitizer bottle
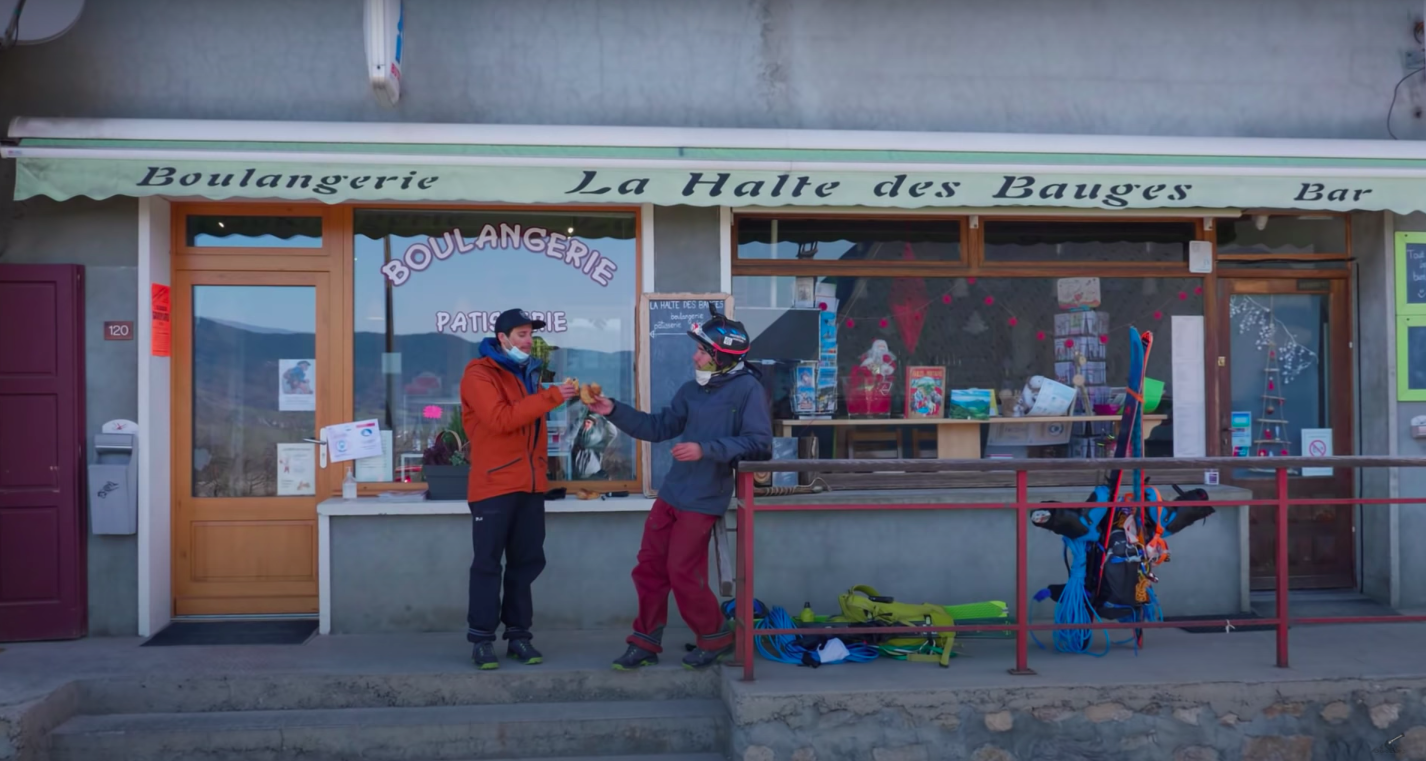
[349,490]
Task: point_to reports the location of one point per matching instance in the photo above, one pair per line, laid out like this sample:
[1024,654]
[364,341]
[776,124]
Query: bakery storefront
[957,296]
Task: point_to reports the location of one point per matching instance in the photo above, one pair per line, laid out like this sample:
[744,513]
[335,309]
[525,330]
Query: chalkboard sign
[1411,359]
[1410,274]
[666,361]
[1416,273]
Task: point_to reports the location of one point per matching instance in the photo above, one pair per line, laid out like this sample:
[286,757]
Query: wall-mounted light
[1260,221]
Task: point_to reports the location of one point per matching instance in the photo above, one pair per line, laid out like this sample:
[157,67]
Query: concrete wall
[409,573]
[1374,383]
[686,249]
[100,235]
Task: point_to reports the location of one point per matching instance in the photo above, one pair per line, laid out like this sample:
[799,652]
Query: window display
[427,287]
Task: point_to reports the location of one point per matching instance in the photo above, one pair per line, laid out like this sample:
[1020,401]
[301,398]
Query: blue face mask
[514,352]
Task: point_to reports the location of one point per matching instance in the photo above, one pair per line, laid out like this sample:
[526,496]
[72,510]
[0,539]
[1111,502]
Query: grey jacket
[729,417]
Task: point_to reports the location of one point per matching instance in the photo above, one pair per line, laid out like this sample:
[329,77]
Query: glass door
[1285,390]
[253,380]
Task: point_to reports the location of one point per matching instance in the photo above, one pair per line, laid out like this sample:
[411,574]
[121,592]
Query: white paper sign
[296,384]
[1028,434]
[1200,257]
[353,441]
[1081,292]
[1190,411]
[1316,442]
[296,470]
[377,470]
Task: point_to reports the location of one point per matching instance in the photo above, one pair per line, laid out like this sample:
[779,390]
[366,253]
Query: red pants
[674,556]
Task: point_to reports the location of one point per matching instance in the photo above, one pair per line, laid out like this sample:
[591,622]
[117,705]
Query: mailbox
[114,484]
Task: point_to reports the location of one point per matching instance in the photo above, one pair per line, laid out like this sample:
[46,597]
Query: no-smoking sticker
[1318,448]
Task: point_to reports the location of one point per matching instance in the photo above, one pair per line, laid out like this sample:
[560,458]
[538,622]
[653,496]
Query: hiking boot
[698,658]
[484,656]
[635,658]
[521,650]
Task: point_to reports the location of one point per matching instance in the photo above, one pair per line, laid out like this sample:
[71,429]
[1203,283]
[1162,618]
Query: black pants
[512,525]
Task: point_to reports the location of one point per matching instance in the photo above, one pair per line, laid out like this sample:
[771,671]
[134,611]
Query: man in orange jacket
[503,412]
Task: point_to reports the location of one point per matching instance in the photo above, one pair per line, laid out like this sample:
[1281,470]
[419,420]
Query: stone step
[435,733]
[185,693]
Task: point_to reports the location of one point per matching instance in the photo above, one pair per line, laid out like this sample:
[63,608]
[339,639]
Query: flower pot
[446,482]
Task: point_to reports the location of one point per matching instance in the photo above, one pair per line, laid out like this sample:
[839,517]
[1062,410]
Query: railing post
[1281,570]
[744,608]
[1022,571]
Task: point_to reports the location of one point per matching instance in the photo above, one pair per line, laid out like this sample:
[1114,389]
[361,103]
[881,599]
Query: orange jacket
[506,429]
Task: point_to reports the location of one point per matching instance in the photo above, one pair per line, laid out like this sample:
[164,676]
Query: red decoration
[1069,343]
[1039,335]
[1262,453]
[945,298]
[822,305]
[1284,453]
[1182,296]
[884,322]
[1158,315]
[970,280]
[908,304]
[1014,322]
[1104,339]
[886,358]
[1198,291]
[1272,354]
[1270,385]
[989,300]
[851,323]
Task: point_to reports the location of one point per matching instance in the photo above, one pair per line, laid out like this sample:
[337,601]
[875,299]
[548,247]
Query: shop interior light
[1260,221]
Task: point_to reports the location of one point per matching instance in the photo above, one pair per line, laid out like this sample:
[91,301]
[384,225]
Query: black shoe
[484,656]
[635,658]
[699,658]
[521,650]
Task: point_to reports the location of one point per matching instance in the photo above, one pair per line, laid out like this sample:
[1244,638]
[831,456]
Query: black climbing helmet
[725,340]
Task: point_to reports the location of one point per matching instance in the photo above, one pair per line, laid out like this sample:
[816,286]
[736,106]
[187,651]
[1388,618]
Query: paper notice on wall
[1316,442]
[1190,433]
[1028,434]
[377,470]
[161,330]
[1052,400]
[296,470]
[1078,292]
[296,382]
[353,441]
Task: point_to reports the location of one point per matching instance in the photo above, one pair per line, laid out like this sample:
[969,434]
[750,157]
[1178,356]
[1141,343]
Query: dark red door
[42,526]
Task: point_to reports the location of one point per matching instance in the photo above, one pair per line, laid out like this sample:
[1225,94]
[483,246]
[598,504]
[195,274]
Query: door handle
[321,451]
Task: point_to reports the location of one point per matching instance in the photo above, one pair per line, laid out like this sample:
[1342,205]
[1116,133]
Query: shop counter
[957,439]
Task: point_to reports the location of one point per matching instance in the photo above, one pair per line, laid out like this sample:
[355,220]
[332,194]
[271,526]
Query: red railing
[748,509]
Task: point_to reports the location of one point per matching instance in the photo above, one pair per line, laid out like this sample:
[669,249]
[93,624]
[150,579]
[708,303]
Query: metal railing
[748,508]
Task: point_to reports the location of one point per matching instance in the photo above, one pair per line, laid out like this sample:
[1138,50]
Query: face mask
[514,352]
[704,373]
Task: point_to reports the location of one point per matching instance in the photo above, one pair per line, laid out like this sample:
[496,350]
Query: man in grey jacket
[723,416]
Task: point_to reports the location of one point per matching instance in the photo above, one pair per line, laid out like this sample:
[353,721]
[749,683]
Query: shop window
[985,333]
[427,288]
[849,240]
[1096,241]
[235,231]
[1283,235]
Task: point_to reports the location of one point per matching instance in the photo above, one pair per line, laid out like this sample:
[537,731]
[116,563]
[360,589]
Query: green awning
[1023,171]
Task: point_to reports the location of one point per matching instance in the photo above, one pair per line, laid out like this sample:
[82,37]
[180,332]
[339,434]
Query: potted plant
[446,463]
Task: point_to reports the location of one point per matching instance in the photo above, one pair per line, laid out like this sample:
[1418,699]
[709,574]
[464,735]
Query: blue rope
[1074,607]
[783,648]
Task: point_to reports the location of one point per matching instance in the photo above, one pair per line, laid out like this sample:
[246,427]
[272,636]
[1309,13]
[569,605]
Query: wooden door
[42,523]
[1286,348]
[254,378]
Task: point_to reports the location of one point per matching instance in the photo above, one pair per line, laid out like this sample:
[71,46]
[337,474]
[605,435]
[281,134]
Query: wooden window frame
[1345,256]
[335,257]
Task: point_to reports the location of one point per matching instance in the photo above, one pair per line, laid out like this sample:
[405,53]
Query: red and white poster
[162,339]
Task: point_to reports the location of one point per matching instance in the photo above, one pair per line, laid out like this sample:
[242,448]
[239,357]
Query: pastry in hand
[589,392]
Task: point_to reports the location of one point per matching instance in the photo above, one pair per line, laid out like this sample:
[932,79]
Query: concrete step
[184,693]
[435,733]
